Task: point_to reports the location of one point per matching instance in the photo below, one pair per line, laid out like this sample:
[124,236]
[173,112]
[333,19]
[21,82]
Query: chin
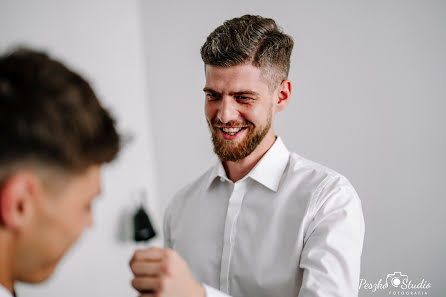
[39,276]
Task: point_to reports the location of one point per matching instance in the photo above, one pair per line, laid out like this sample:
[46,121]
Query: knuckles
[138,255]
[165,268]
[161,283]
[143,285]
[169,254]
[135,283]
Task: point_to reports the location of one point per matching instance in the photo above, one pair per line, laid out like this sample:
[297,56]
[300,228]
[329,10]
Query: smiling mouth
[232,130]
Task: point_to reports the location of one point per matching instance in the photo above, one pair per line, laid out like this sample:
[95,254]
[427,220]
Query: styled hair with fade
[250,39]
[49,115]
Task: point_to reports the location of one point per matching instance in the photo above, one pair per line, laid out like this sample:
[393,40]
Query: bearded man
[262,221]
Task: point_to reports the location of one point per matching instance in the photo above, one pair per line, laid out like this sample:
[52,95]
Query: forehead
[235,78]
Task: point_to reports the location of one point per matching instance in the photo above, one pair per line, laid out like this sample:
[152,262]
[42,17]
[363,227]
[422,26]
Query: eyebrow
[243,92]
[208,90]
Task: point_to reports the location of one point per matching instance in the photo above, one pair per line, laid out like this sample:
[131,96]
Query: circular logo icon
[396,282]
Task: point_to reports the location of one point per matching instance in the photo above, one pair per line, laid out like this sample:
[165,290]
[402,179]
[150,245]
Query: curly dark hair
[250,39]
[51,115]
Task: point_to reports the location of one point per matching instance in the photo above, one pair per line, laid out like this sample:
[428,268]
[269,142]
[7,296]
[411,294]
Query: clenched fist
[163,273]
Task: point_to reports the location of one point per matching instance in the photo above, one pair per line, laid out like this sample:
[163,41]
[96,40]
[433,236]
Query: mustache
[231,124]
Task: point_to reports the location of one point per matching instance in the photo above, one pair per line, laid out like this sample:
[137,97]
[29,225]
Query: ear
[283,95]
[16,200]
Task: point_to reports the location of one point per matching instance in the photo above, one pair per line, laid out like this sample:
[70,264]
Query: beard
[229,150]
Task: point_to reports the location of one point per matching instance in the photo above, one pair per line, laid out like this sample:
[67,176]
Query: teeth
[231,131]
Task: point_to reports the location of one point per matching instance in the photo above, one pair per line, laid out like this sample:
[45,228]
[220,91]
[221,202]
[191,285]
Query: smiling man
[55,136]
[262,221]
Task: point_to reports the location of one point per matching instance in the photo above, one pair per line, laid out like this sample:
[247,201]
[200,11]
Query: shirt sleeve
[333,242]
[211,292]
[166,227]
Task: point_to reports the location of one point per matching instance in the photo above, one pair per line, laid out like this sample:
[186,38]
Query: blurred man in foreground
[55,135]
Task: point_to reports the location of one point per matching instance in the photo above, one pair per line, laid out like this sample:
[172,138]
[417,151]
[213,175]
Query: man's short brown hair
[50,115]
[250,39]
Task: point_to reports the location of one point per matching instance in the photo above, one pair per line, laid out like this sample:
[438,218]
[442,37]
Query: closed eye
[212,96]
[243,98]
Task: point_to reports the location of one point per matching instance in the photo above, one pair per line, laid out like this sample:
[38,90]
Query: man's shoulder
[323,185]
[299,163]
[314,173]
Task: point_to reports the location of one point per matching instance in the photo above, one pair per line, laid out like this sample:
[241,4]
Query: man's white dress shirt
[291,227]
[4,292]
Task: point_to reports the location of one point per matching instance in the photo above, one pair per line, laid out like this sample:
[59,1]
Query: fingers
[150,254]
[150,268]
[147,268]
[146,285]
[147,295]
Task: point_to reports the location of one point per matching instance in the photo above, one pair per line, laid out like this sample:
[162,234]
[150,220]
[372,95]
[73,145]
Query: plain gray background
[368,101]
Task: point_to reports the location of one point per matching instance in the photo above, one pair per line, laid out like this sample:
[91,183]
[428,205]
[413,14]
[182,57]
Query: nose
[227,110]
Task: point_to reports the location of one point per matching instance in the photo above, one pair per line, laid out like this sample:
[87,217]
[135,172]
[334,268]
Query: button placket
[234,206]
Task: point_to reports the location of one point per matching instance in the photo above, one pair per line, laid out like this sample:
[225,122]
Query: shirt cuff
[211,292]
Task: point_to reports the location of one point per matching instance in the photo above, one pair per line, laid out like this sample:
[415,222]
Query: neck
[238,169]
[7,256]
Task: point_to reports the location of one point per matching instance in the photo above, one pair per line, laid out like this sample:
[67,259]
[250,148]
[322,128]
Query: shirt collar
[217,171]
[4,292]
[268,171]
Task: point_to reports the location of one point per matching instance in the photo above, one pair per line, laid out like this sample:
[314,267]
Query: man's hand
[163,273]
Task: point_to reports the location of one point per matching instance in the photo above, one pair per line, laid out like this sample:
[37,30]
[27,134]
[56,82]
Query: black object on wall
[143,229]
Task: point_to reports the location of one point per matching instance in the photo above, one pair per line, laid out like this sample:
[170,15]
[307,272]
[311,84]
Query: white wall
[103,41]
[368,101]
